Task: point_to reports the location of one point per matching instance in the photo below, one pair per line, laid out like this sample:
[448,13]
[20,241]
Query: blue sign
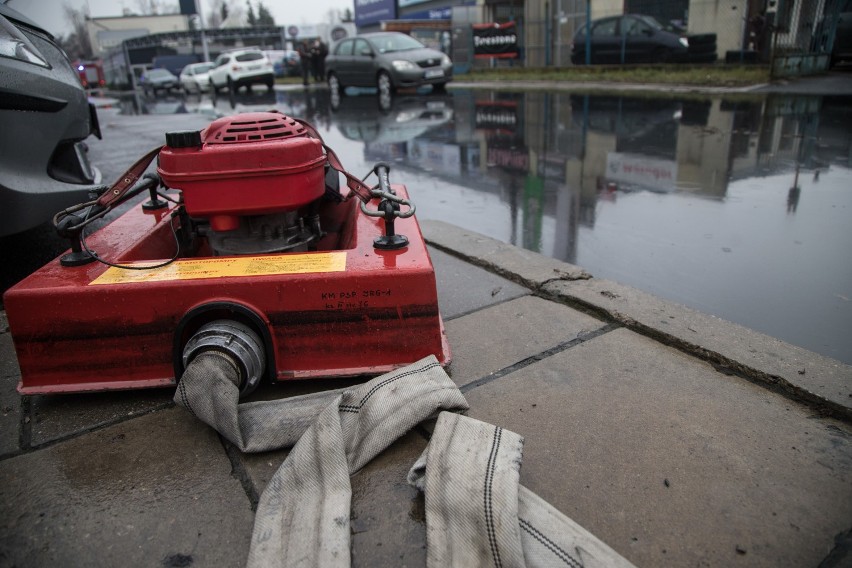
[374,11]
[434,14]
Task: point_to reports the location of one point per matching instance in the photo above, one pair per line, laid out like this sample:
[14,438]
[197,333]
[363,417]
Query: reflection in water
[738,208]
[682,197]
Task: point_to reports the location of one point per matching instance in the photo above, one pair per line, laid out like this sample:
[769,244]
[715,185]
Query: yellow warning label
[223,267]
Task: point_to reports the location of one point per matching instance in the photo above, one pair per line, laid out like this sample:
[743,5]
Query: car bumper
[162,86]
[264,77]
[415,78]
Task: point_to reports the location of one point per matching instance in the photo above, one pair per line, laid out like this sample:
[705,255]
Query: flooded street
[737,206]
[695,200]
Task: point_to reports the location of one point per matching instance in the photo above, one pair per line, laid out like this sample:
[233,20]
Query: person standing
[323,53]
[305,60]
[315,60]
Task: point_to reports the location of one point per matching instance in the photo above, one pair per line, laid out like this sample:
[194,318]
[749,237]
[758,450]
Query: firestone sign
[495,40]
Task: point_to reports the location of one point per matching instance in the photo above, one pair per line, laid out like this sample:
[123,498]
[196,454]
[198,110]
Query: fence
[745,32]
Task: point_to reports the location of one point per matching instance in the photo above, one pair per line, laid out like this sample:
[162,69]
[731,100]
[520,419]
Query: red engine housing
[248,164]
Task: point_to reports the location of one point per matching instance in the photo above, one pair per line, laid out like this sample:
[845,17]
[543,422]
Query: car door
[363,71]
[606,44]
[341,61]
[638,37]
[219,74]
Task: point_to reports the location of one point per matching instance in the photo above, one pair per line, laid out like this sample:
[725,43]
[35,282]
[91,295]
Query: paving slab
[56,417]
[671,462]
[153,491]
[499,336]
[801,374]
[463,288]
[10,400]
[520,265]
[388,517]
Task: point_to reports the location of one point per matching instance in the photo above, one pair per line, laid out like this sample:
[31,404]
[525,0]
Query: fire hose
[477,514]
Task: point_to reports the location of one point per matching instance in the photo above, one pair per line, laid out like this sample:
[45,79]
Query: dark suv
[44,117]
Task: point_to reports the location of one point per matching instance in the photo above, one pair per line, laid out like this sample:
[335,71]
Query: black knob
[183,139]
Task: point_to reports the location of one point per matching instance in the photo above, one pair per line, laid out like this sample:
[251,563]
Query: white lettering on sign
[479,41]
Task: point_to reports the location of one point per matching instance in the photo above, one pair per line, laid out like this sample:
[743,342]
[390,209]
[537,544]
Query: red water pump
[256,177]
[258,251]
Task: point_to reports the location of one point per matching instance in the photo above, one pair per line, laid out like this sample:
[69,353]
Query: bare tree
[76,44]
[221,11]
[252,19]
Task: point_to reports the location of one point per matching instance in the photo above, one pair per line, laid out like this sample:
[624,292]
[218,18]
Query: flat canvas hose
[476,513]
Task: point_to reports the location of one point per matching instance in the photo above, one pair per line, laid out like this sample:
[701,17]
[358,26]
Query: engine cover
[250,164]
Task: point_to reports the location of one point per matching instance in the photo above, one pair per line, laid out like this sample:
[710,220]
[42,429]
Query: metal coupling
[235,339]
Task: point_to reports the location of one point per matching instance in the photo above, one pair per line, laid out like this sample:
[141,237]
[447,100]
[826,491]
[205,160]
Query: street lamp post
[203,33]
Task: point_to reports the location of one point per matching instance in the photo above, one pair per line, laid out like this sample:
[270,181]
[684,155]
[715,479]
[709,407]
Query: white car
[194,77]
[242,67]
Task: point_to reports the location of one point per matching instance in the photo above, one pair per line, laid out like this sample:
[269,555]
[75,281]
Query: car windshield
[655,24]
[395,42]
[158,73]
[651,21]
[204,68]
[250,56]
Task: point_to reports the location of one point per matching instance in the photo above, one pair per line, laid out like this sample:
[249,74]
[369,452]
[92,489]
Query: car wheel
[439,87]
[269,84]
[384,83]
[335,87]
[231,85]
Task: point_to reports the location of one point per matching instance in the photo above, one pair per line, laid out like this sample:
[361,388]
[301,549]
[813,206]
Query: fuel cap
[183,139]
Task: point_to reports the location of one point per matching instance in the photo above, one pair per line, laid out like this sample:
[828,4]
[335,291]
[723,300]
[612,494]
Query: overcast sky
[51,15]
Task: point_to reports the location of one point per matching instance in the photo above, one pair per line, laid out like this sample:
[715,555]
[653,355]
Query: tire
[384,83]
[231,86]
[213,87]
[335,86]
[269,85]
[439,87]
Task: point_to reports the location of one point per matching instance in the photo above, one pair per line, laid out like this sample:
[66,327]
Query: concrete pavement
[837,82]
[677,438]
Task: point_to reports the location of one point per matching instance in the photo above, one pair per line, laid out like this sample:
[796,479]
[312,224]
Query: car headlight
[446,61]
[401,65]
[684,42]
[15,45]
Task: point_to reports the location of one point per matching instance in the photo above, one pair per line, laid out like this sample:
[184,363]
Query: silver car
[44,117]
[194,78]
[387,61]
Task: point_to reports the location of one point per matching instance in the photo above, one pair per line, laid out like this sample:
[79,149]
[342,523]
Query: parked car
[634,38]
[195,78]
[386,60]
[242,67]
[154,80]
[174,63]
[45,116]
